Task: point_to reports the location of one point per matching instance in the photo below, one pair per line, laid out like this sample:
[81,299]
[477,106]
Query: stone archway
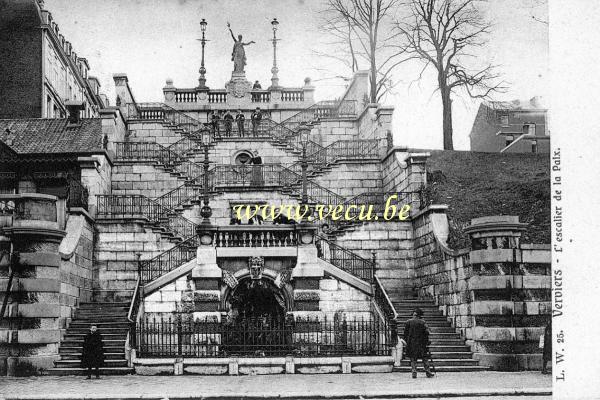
[256,300]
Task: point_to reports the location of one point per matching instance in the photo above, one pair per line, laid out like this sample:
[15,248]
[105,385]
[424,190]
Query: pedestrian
[256,117]
[416,336]
[240,118]
[257,178]
[547,354]
[256,85]
[228,121]
[92,354]
[214,120]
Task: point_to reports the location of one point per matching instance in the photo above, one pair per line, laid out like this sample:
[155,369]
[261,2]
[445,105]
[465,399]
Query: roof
[475,184]
[45,135]
[534,104]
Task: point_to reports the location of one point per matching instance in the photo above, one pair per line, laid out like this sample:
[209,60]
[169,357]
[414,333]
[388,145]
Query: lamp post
[205,211]
[274,70]
[202,79]
[304,132]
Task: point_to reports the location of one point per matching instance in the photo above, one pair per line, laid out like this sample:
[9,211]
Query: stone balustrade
[191,98]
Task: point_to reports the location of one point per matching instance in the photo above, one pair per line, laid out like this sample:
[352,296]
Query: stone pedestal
[239,91]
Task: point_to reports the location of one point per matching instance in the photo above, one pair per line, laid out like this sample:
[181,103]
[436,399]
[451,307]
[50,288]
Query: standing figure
[238,55]
[416,336]
[228,121]
[92,355]
[547,355]
[240,118]
[257,173]
[257,85]
[256,117]
[214,120]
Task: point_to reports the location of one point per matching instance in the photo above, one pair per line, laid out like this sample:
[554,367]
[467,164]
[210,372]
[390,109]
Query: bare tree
[445,34]
[361,34]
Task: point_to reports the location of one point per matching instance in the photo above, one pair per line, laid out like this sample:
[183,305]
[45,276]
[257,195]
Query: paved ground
[354,386]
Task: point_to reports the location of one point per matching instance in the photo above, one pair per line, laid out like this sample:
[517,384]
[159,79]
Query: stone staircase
[448,349]
[111,320]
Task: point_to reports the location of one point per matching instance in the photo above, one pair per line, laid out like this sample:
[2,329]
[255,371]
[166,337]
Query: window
[534,147]
[529,129]
[509,140]
[504,119]
[243,158]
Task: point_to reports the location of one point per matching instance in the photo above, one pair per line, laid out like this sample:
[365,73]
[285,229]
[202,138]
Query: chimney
[73,109]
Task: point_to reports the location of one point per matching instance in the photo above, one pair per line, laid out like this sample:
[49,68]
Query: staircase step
[448,347]
[77,356]
[76,348]
[458,368]
[81,371]
[79,336]
[445,362]
[103,331]
[109,363]
[451,354]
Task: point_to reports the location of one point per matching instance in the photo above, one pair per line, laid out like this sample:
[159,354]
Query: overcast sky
[151,40]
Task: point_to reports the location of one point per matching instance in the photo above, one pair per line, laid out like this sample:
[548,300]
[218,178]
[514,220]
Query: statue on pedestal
[238,55]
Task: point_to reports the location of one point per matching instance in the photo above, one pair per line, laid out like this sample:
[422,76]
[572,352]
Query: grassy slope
[476,184]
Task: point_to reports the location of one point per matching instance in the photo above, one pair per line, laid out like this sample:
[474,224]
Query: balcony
[32,213]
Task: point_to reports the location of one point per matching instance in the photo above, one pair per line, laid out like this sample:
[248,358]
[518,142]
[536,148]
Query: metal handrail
[345,259]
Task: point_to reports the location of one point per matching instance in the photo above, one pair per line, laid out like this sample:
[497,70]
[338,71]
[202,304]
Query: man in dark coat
[416,336]
[228,120]
[240,118]
[93,352]
[256,117]
[547,355]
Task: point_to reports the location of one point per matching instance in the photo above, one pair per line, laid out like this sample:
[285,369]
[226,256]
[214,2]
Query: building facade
[512,127]
[40,71]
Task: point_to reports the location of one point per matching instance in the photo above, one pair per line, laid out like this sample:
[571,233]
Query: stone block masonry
[52,275]
[115,257]
[141,179]
[498,296]
[349,179]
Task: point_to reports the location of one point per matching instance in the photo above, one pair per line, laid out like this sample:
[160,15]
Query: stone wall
[404,170]
[328,131]
[392,244]
[498,296]
[115,260]
[53,274]
[349,179]
[153,132]
[142,179]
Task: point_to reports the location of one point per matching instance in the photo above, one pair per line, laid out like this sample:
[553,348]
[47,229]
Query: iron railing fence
[132,314]
[169,260]
[163,113]
[77,194]
[262,337]
[141,207]
[323,110]
[190,192]
[127,151]
[250,176]
[345,259]
[384,303]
